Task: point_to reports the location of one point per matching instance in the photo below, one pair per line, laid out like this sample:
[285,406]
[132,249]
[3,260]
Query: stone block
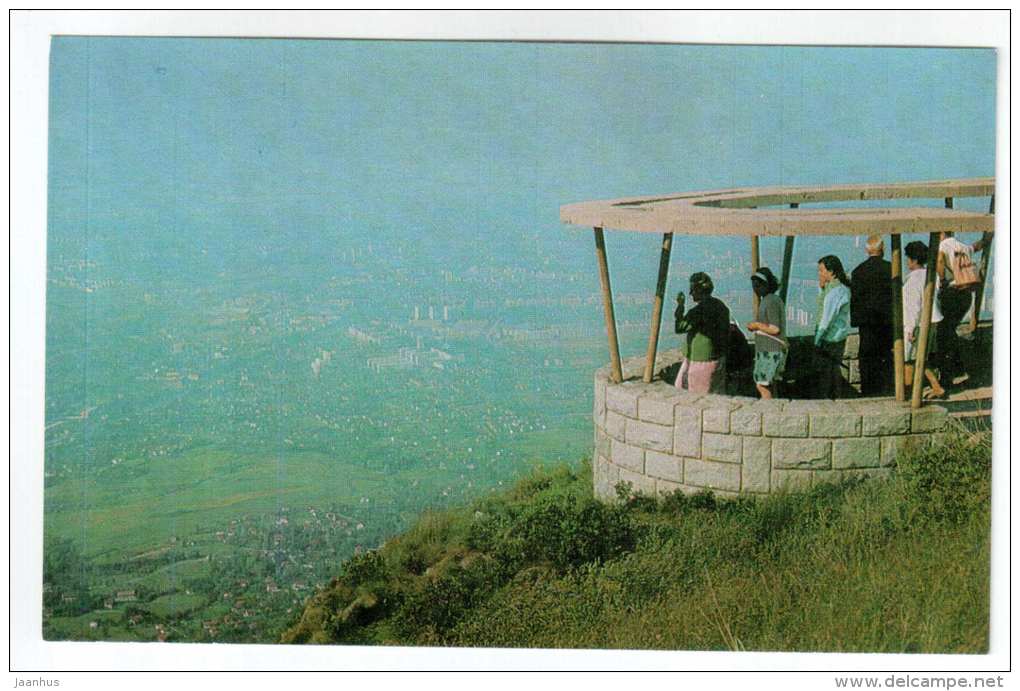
[721,447]
[600,475]
[715,420]
[648,435]
[801,453]
[664,466]
[756,465]
[606,475]
[884,420]
[599,403]
[770,405]
[928,419]
[714,400]
[746,421]
[785,424]
[891,449]
[602,444]
[806,406]
[630,457]
[863,452]
[613,472]
[604,492]
[711,475]
[829,424]
[622,399]
[791,480]
[687,431]
[640,484]
[657,410]
[616,425]
[687,398]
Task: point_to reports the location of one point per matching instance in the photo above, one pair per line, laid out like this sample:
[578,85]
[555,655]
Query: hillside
[896,566]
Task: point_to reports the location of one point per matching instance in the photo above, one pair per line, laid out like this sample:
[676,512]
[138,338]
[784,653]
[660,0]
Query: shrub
[948,482]
[560,529]
[439,603]
[363,568]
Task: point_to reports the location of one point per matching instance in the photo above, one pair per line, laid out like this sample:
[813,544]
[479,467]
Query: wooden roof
[733,212]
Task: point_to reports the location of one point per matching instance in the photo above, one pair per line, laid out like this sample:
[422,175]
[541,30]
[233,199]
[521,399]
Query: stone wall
[661,440]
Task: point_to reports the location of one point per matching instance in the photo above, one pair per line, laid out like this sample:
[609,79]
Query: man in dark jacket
[871,313]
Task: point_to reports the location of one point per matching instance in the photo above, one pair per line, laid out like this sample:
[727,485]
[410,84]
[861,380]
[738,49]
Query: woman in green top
[769,331]
[832,325]
[707,327]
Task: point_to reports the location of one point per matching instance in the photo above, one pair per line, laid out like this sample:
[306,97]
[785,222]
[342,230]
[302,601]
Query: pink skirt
[702,377]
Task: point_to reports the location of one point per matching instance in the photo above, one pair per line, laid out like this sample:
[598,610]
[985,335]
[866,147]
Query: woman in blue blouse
[832,325]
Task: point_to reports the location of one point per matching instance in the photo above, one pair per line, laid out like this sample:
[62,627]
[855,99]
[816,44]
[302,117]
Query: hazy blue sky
[458,139]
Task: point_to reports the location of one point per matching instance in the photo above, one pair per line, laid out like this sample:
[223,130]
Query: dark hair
[833,264]
[770,280]
[701,283]
[918,251]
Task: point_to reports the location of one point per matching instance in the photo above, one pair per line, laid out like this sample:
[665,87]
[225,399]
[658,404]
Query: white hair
[875,245]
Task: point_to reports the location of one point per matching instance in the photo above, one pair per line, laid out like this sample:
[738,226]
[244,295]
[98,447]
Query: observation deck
[661,439]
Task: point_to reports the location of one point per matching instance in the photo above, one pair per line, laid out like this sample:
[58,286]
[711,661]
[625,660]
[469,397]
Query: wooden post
[616,373]
[660,291]
[755,265]
[926,310]
[784,281]
[897,317]
[979,294]
[940,264]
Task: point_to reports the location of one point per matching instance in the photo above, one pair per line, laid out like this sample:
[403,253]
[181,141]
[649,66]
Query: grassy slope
[898,566]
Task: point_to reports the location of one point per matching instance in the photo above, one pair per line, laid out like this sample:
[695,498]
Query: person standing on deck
[707,327]
[832,325]
[913,298]
[871,313]
[769,331]
[959,278]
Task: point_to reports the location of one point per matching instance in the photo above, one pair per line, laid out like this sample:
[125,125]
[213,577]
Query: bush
[363,568]
[429,611]
[949,481]
[565,531]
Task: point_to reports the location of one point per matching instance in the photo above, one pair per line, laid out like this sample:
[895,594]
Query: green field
[140,504]
[175,605]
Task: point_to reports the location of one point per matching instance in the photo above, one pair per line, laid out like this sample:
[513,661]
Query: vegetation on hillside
[884,566]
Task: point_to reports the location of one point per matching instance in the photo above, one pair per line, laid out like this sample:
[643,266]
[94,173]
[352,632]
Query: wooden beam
[897,318]
[607,303]
[784,281]
[660,291]
[928,300]
[755,265]
[731,211]
[979,294]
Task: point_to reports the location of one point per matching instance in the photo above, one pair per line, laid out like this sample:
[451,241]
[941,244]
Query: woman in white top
[913,297]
